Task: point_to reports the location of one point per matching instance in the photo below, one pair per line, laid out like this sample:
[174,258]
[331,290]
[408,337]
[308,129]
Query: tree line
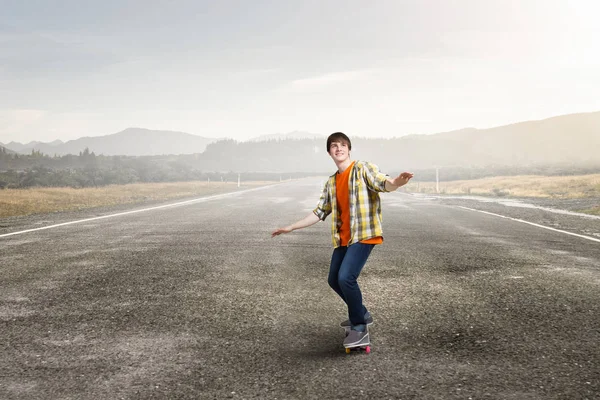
[225,159]
[90,170]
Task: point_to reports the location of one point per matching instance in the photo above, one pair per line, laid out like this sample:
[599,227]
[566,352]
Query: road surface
[198,301]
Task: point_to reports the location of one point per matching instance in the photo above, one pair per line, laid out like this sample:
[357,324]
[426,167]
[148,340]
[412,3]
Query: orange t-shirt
[343,204]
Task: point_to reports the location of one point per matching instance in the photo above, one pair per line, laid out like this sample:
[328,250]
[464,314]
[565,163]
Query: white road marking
[534,224]
[513,203]
[181,203]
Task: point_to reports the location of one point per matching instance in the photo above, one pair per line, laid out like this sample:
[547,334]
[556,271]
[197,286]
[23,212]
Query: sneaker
[368,320]
[357,338]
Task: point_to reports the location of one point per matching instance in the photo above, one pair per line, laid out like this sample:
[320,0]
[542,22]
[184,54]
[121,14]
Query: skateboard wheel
[368,349]
[347,351]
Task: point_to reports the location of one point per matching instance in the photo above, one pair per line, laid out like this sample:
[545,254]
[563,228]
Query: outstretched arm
[309,220]
[400,180]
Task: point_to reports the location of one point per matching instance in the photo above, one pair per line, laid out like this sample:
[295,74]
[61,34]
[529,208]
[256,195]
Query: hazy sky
[240,69]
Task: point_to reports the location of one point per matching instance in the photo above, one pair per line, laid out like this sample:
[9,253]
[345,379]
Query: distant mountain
[26,148]
[130,142]
[6,149]
[568,140]
[572,139]
[285,136]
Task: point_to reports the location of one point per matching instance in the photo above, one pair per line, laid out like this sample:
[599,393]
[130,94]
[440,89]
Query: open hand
[280,231]
[402,179]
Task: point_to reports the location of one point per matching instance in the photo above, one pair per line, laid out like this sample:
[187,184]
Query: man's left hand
[402,179]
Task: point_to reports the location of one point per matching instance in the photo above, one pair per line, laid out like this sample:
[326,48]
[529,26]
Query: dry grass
[594,210]
[15,202]
[562,187]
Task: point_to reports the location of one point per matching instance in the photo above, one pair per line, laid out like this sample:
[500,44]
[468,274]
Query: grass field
[16,202]
[550,187]
[564,187]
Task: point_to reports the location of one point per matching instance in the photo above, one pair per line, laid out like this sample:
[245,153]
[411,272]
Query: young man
[351,195]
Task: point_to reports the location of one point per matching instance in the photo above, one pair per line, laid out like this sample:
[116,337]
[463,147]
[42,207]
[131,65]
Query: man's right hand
[279,231]
[309,220]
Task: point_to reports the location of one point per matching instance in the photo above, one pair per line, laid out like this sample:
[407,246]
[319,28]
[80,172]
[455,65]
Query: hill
[568,140]
[565,141]
[565,145]
[130,142]
[6,150]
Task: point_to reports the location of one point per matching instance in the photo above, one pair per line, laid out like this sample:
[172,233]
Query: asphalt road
[197,301]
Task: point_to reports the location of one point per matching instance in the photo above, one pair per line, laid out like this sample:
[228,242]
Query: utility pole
[437,180]
[238,180]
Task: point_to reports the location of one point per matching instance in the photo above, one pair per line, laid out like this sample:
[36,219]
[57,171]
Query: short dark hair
[338,137]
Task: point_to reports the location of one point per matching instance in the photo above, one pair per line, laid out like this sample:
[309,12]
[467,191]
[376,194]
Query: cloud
[13,122]
[253,73]
[24,125]
[318,82]
[11,118]
[50,54]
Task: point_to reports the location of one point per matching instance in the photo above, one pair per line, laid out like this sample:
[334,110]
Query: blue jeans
[346,265]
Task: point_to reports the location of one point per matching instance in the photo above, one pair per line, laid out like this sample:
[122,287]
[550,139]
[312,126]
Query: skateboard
[364,344]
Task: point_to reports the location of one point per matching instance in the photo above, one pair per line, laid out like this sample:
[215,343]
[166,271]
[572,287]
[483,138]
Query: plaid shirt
[364,184]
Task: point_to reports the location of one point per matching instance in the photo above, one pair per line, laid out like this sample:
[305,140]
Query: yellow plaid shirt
[364,184]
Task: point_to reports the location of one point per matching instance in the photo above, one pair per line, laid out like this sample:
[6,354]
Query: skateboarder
[351,195]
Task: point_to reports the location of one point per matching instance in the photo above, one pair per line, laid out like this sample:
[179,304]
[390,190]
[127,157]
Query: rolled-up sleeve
[324,207]
[374,178]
